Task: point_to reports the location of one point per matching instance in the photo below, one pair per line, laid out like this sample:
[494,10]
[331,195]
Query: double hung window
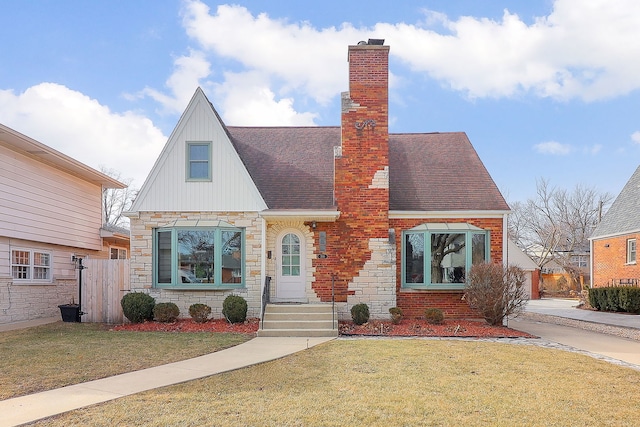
[631,251]
[198,161]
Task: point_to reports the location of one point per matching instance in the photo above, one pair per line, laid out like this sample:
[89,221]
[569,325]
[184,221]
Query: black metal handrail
[333,299]
[266,295]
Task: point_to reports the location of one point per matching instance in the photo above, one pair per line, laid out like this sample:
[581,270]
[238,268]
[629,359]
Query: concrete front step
[299,320]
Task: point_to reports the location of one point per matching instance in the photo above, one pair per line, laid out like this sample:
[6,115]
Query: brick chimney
[361,262]
[362,170]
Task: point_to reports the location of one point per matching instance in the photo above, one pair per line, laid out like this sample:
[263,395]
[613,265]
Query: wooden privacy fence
[104,282]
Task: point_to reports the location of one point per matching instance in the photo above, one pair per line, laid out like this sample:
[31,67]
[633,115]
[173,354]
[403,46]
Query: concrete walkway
[33,407]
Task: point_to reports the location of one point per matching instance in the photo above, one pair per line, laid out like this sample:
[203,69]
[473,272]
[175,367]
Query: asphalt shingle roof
[624,214]
[293,169]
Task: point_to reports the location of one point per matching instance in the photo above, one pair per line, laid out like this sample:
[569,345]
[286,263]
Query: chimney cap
[377,42]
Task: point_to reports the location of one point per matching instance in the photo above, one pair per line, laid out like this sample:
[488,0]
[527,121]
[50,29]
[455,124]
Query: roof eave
[318,215]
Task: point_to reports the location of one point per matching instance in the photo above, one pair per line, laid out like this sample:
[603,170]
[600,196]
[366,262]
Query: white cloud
[594,149]
[187,76]
[246,99]
[553,148]
[587,52]
[635,137]
[83,129]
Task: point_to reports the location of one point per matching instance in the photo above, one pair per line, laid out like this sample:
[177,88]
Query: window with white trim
[631,251]
[30,265]
[198,257]
[117,253]
[198,161]
[439,255]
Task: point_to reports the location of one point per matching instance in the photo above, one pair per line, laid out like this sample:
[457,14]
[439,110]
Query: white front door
[290,259]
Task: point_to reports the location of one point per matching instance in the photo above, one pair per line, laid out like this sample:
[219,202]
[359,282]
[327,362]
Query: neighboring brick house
[50,211]
[613,242]
[348,213]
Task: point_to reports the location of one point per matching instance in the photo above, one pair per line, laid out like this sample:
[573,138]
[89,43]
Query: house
[517,257]
[343,214]
[50,212]
[613,242]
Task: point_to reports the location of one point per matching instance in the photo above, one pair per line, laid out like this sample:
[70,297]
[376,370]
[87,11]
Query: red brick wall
[413,302]
[363,210]
[610,263]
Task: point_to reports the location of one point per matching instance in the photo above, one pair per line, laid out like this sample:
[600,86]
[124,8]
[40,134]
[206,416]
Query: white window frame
[30,267]
[631,251]
[120,250]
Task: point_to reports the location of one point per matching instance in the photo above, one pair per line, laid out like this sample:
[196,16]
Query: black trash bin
[70,312]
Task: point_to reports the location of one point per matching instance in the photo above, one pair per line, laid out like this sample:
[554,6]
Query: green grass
[404,382]
[60,354]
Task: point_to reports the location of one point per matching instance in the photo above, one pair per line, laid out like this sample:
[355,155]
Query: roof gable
[230,188]
[624,214]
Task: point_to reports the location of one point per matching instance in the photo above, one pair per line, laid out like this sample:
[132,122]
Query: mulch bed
[407,328]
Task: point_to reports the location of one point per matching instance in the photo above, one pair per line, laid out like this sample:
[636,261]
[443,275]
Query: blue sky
[544,89]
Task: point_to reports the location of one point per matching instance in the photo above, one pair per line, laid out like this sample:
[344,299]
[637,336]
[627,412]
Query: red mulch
[250,326]
[420,328]
[407,328]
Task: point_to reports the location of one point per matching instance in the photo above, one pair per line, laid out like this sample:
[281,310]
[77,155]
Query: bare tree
[115,201]
[557,222]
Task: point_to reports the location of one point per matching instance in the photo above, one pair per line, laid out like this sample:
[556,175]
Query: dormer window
[198,161]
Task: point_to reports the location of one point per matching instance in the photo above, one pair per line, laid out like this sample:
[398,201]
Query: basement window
[439,255]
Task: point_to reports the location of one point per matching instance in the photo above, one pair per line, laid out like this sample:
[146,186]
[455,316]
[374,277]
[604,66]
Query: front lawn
[60,354]
[384,382]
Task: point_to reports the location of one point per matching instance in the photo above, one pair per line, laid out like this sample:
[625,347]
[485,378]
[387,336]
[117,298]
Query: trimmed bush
[199,312]
[138,306]
[434,316]
[396,315]
[234,309]
[621,298]
[165,312]
[360,313]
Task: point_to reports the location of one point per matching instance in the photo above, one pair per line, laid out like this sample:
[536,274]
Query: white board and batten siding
[231,188]
[43,204]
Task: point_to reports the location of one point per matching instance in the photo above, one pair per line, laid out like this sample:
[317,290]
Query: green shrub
[234,309]
[622,298]
[199,312]
[434,316]
[166,312]
[360,313]
[396,315]
[138,306]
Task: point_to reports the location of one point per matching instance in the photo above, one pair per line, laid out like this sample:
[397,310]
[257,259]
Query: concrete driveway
[603,334]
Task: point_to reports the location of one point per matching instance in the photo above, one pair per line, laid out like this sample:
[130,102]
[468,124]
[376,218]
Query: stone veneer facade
[142,261]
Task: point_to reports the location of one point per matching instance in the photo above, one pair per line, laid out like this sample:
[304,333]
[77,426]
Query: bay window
[438,256]
[198,257]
